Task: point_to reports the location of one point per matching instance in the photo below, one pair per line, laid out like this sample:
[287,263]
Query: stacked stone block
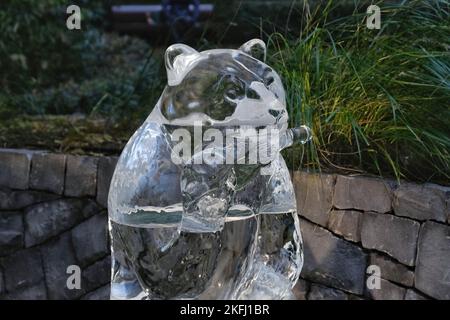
[53,214]
[352,222]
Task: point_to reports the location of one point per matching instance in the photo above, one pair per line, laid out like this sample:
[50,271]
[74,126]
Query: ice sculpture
[201,205]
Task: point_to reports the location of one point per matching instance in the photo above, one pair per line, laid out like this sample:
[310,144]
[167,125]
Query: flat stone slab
[106,168]
[444,192]
[332,261]
[301,289]
[387,291]
[15,168]
[314,194]
[81,176]
[419,202]
[392,235]
[96,275]
[49,219]
[47,172]
[11,232]
[90,239]
[102,293]
[414,295]
[22,269]
[392,270]
[57,256]
[433,261]
[36,291]
[16,200]
[346,223]
[362,193]
[319,292]
[2,283]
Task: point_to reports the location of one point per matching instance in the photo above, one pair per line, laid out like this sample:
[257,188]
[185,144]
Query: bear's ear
[177,58]
[255,48]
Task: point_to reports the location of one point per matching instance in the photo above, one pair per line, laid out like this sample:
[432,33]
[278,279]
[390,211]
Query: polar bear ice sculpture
[187,226]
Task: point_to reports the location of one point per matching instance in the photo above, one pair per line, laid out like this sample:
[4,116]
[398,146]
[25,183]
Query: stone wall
[53,214]
[352,222]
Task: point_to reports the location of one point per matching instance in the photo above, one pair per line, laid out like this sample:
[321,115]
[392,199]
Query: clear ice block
[201,204]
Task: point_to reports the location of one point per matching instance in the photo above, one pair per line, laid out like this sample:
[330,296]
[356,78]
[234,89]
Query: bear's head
[222,87]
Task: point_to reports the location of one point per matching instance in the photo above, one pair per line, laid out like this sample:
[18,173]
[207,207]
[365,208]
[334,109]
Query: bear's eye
[234,89]
[268,81]
[267,76]
[252,94]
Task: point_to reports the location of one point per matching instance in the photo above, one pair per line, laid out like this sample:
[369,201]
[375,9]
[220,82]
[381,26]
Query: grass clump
[378,101]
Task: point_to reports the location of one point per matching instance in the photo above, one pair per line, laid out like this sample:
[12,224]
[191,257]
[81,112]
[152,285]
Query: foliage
[47,69]
[377,100]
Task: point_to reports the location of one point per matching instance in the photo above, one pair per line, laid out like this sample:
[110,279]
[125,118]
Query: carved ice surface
[208,223]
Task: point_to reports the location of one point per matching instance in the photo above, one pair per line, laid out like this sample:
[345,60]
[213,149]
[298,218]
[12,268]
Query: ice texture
[218,220]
